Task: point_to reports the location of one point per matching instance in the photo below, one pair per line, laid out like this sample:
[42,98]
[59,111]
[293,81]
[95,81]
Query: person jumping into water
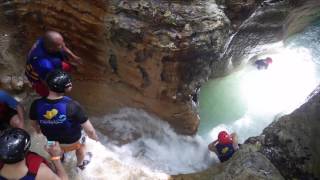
[62,119]
[263,63]
[225,146]
[47,54]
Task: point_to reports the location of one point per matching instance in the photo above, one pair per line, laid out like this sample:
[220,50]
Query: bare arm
[71,55]
[46,173]
[36,126]
[20,111]
[88,128]
[235,141]
[212,146]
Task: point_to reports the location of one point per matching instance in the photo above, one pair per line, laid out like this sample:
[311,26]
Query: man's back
[225,151]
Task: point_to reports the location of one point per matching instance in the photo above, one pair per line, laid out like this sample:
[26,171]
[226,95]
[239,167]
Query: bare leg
[80,153]
[235,141]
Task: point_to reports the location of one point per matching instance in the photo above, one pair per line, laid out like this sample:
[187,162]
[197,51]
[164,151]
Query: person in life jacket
[62,119]
[47,54]
[225,146]
[263,63]
[11,112]
[17,162]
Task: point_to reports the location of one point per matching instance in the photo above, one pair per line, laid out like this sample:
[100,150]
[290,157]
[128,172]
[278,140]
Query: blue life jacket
[225,151]
[55,123]
[40,62]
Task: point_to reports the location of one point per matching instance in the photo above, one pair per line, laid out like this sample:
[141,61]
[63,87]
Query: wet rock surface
[291,143]
[247,163]
[145,54]
[287,149]
[270,22]
[155,55]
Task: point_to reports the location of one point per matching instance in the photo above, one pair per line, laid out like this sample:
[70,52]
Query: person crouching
[225,146]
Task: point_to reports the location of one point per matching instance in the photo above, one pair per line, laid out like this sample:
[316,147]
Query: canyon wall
[145,54]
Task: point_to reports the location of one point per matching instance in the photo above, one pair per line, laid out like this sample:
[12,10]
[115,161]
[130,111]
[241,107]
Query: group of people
[59,118]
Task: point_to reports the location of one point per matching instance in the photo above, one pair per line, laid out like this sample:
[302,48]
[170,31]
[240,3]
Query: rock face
[247,163]
[147,54]
[292,143]
[288,148]
[271,22]
[239,10]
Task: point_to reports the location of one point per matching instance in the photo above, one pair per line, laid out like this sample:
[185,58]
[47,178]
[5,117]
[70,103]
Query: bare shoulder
[45,172]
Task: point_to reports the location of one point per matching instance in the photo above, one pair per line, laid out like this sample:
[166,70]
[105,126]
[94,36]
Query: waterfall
[140,146]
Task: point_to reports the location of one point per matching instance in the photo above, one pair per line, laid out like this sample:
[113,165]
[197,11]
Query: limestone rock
[245,164]
[239,10]
[292,143]
[146,54]
[271,21]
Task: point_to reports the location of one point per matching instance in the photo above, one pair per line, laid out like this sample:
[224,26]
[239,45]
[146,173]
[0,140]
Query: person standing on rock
[225,146]
[62,119]
[11,112]
[47,54]
[17,162]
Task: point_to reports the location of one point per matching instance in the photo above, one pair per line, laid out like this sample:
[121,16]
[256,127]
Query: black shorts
[5,119]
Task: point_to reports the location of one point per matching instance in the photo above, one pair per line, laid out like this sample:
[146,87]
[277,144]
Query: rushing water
[141,146]
[248,100]
[146,148]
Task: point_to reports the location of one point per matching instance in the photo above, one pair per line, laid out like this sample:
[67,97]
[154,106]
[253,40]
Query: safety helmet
[15,143]
[58,81]
[269,60]
[224,138]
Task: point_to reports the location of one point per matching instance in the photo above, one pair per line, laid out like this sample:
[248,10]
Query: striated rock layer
[147,54]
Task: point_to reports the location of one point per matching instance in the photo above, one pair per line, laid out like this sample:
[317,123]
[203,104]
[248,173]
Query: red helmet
[224,138]
[269,60]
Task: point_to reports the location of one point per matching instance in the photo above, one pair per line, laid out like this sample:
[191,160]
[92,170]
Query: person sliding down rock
[47,54]
[17,162]
[263,63]
[61,119]
[225,146]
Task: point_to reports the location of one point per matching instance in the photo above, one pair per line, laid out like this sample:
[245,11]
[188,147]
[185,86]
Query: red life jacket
[33,161]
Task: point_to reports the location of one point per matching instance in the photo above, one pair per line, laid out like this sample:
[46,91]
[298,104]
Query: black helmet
[58,81]
[15,143]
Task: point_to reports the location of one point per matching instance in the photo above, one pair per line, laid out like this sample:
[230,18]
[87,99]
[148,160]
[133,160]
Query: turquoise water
[248,100]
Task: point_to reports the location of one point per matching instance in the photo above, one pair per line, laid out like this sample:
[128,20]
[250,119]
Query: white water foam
[154,144]
[280,89]
[146,148]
